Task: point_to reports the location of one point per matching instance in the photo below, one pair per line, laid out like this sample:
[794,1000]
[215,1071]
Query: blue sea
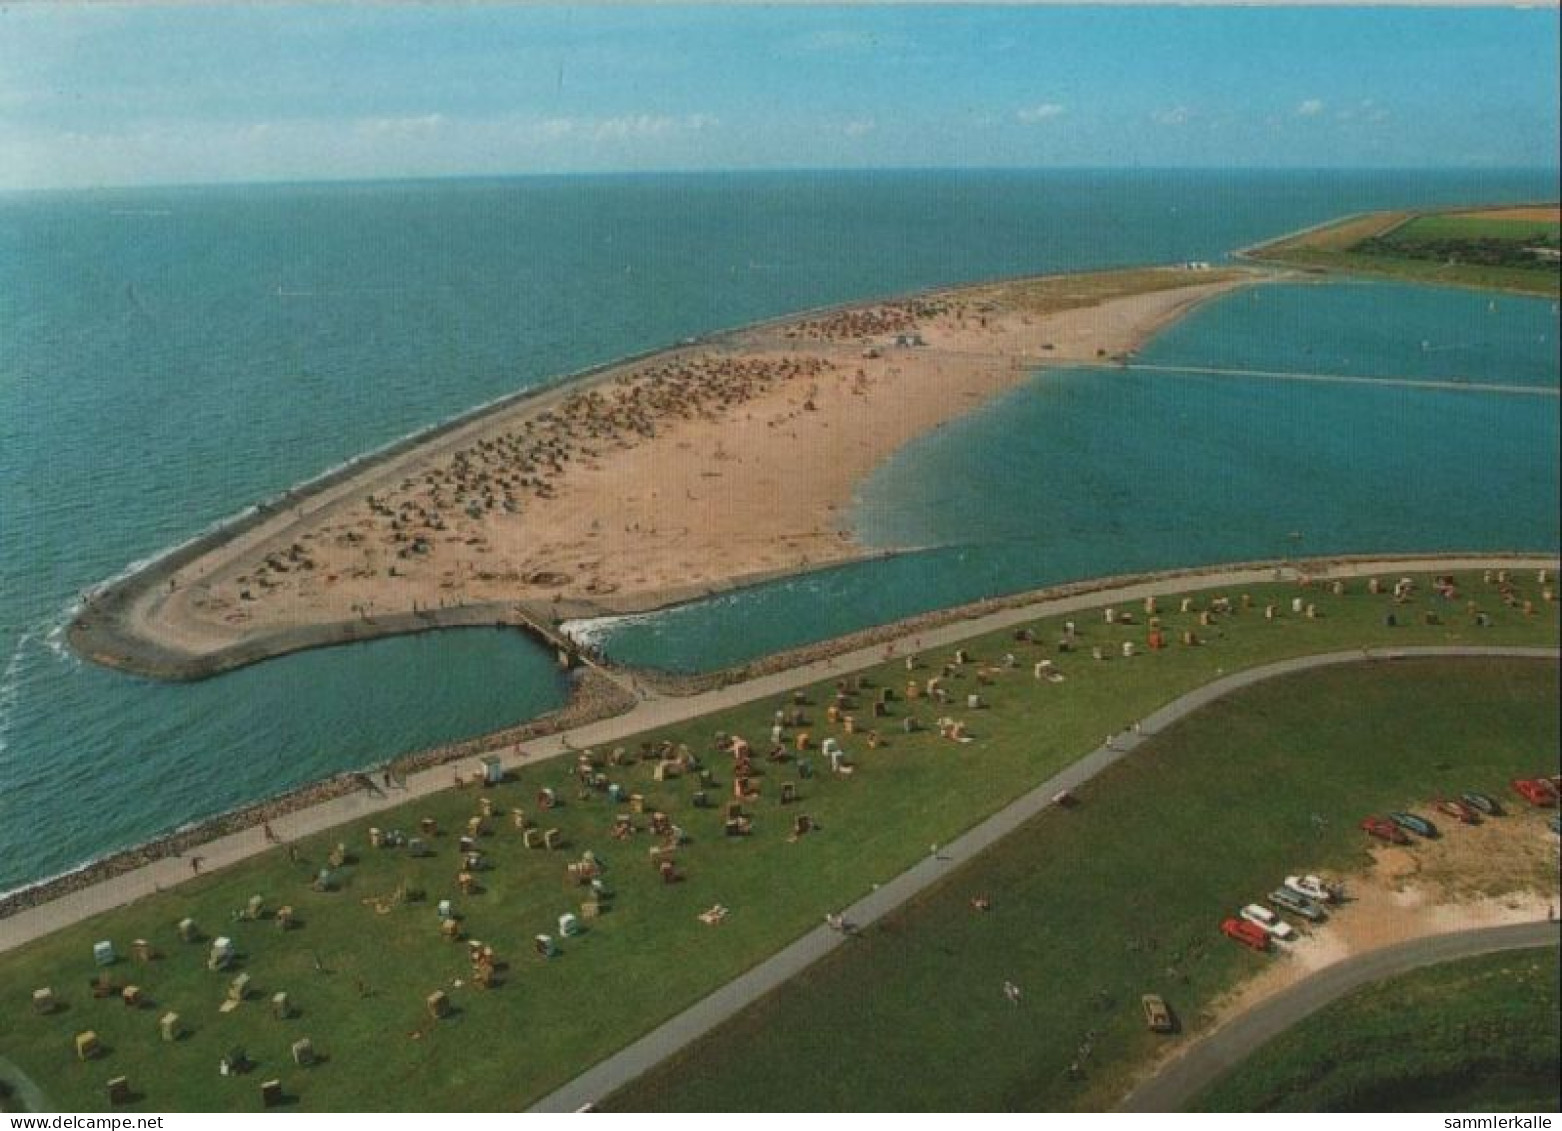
[168,357]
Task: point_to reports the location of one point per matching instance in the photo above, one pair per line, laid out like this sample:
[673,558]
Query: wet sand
[710,465]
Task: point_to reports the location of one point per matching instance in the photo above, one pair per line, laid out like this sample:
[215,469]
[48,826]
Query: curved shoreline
[599,702]
[104,627]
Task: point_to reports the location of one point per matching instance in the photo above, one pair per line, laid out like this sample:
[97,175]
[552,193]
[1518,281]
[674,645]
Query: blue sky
[145,94]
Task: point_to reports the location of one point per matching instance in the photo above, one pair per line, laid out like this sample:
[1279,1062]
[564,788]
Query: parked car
[1537,791]
[1268,921]
[1482,802]
[1313,888]
[1156,1015]
[1458,810]
[1415,823]
[1288,900]
[1384,830]
[1248,934]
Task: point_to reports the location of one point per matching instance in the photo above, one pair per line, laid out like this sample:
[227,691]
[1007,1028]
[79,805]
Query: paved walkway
[29,1096]
[622,1067]
[1214,1055]
[1454,385]
[116,891]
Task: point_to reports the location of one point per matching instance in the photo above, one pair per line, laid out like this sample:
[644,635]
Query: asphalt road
[606,1077]
[1215,1055]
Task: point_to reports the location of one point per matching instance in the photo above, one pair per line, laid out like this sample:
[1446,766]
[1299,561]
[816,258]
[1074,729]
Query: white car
[1276,927]
[1310,886]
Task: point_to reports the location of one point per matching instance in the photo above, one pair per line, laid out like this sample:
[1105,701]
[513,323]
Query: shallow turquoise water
[168,357]
[1371,329]
[1085,472]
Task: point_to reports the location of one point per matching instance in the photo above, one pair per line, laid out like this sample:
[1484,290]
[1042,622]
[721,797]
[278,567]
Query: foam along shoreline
[600,711]
[721,461]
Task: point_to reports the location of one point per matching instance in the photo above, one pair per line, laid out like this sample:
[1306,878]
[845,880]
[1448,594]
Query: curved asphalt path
[1213,1056]
[28,1094]
[659,711]
[640,1057]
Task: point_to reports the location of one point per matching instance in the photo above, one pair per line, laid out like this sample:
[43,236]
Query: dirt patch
[1502,871]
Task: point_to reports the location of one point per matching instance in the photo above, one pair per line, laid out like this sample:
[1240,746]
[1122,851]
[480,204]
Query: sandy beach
[708,465]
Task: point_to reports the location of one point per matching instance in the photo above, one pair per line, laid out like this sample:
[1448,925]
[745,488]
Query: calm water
[168,357]
[1086,472]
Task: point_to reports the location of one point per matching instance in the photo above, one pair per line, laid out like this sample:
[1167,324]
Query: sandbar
[715,463]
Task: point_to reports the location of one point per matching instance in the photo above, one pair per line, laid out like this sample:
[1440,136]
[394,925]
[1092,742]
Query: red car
[1248,934]
[1384,829]
[1458,810]
[1537,791]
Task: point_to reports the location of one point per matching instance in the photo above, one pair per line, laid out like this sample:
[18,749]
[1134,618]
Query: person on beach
[195,865]
[269,833]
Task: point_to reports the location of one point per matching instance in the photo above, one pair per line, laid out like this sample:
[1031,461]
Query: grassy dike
[1480,1034]
[1095,906]
[359,976]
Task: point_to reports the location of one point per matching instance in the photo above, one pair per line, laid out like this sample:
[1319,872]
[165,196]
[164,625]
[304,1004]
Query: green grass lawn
[1480,1034]
[1457,227]
[359,977]
[1093,907]
[1367,245]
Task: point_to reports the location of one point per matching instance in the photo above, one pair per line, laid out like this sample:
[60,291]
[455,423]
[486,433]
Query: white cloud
[835,39]
[1041,113]
[415,125]
[859,127]
[1171,116]
[620,128]
[1309,108]
[300,148]
[1365,111]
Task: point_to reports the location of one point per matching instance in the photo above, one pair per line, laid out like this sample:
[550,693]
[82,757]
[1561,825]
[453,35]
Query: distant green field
[1480,1034]
[1093,907]
[1536,233]
[359,977]
[1486,250]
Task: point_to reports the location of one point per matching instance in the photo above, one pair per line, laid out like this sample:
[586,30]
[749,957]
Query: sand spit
[713,464]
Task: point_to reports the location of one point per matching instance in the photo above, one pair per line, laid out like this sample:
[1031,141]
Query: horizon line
[624,174]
